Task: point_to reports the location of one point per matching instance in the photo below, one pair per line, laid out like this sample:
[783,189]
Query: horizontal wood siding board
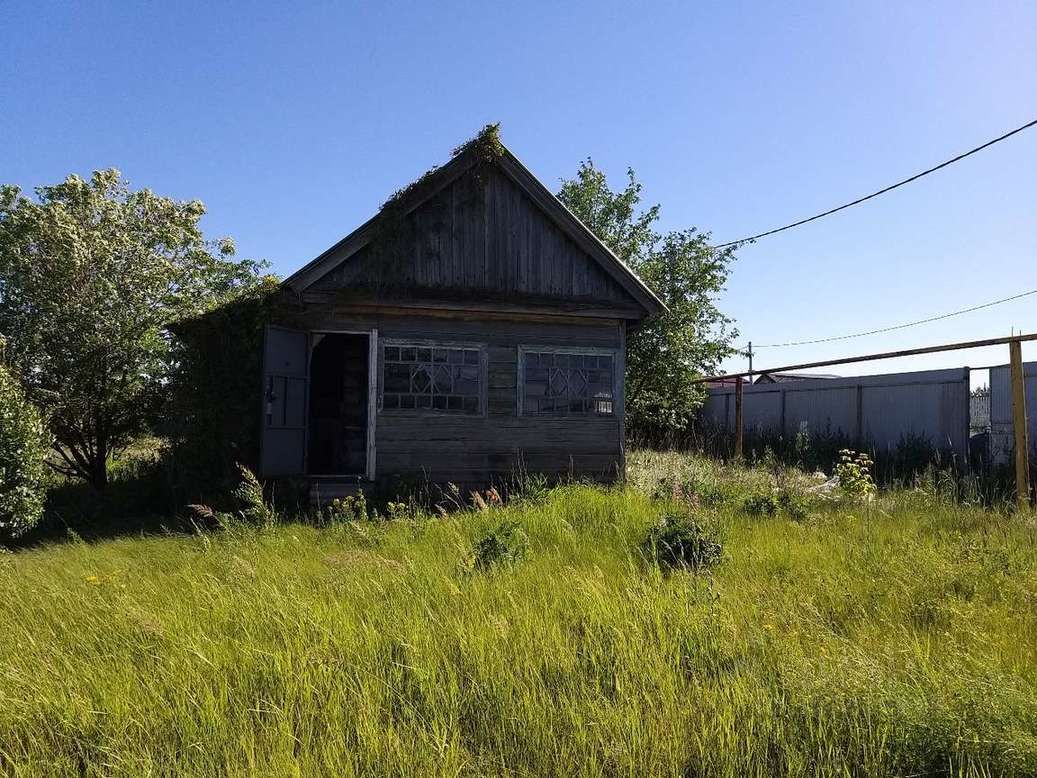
[496,334]
[514,306]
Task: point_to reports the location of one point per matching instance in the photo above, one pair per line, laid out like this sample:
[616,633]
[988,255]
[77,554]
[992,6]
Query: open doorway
[338,412]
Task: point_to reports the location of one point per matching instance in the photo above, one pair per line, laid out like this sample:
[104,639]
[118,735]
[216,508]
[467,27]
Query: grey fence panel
[878,410]
[821,410]
[1002,439]
[759,413]
[714,409]
[938,412]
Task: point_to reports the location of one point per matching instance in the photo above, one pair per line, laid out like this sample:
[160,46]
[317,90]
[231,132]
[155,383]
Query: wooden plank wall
[478,449]
[482,233]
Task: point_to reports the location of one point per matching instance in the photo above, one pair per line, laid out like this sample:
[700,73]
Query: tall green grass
[893,638]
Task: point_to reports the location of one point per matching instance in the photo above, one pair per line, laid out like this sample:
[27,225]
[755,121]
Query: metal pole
[738,417]
[1022,446]
[912,352]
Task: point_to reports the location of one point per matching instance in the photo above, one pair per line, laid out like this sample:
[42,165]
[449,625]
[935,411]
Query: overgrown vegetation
[393,232]
[503,544]
[854,474]
[679,541]
[914,459]
[215,392]
[888,637]
[23,451]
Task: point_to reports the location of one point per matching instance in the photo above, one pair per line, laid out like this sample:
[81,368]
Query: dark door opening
[338,405]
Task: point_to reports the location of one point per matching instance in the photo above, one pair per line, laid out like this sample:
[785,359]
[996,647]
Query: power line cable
[898,326]
[860,200]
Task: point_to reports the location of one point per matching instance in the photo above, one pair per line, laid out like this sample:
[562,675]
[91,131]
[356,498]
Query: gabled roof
[436,180]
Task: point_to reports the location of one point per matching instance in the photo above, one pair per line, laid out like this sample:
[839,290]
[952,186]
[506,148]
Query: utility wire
[860,200]
[898,326]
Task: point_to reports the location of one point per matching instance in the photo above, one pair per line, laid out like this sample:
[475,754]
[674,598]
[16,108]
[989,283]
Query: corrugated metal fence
[1001,437]
[877,410]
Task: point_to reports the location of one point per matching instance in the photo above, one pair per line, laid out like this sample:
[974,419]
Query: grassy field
[897,637]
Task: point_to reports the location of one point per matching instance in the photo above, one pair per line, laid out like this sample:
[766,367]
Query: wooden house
[472,328]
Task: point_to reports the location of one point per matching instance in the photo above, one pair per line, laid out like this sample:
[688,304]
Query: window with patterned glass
[567,384]
[434,378]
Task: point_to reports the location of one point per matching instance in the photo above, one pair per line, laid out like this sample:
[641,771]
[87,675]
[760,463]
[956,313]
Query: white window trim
[520,384]
[431,343]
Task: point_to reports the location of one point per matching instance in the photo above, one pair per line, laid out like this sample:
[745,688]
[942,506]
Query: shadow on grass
[140,499]
[131,506]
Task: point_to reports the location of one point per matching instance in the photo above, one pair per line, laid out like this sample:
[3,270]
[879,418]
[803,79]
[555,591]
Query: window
[569,383]
[433,378]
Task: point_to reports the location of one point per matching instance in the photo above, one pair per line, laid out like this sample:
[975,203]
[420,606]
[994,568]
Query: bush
[23,453]
[760,505]
[505,543]
[854,474]
[794,503]
[680,542]
[249,495]
[352,507]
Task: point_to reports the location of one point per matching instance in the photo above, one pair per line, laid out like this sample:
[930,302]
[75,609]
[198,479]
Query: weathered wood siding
[480,234]
[471,449]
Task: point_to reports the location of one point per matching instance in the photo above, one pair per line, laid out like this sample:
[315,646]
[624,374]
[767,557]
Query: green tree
[666,353]
[23,451]
[91,276]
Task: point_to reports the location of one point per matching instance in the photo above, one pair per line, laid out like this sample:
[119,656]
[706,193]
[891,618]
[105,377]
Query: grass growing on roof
[892,637]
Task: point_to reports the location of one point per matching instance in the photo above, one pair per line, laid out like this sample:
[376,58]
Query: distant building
[784,378]
[720,383]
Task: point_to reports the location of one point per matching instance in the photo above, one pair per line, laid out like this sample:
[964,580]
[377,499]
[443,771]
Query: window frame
[413,413]
[597,351]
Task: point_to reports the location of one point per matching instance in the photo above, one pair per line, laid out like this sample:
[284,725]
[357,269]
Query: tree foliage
[91,276]
[667,352]
[23,450]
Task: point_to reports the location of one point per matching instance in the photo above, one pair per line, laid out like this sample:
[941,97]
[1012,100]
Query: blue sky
[293,123]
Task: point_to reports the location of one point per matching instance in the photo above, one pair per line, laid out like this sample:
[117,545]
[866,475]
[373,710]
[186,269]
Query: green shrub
[677,541]
[352,507]
[793,503]
[505,543]
[760,505]
[23,452]
[854,474]
[249,495]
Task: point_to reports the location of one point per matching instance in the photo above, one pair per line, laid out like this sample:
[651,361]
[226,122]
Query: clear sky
[293,122]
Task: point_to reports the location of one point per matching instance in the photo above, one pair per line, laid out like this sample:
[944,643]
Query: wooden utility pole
[1022,445]
[738,417]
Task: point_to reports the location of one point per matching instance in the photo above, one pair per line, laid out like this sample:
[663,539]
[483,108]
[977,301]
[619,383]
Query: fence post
[738,417]
[1022,447]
